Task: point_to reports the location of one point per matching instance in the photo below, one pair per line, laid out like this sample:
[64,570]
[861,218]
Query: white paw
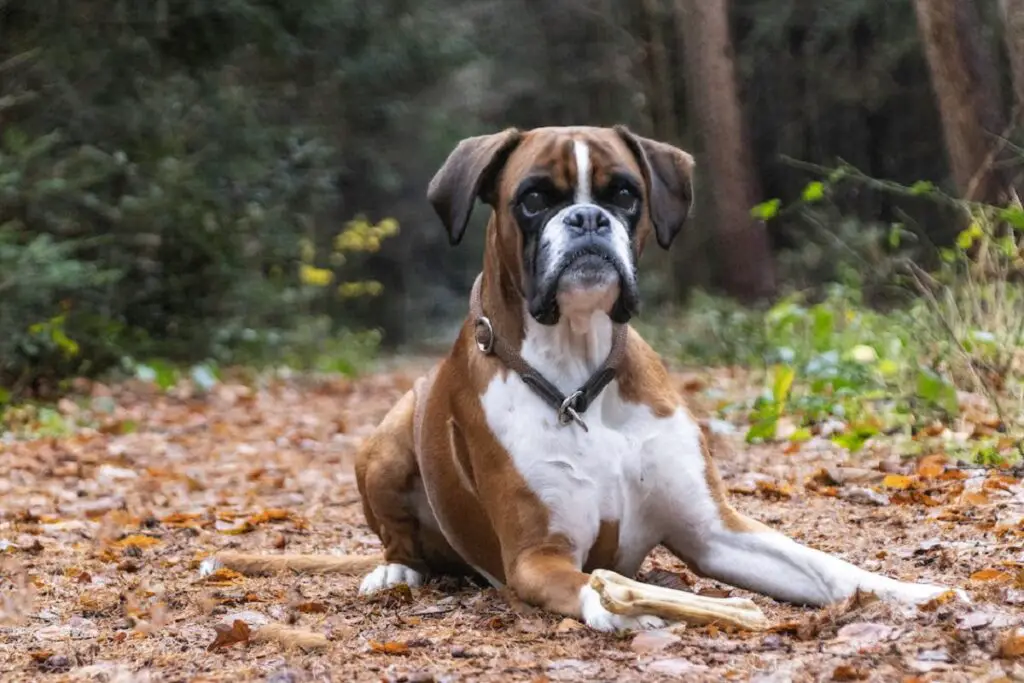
[916,593]
[600,619]
[388,575]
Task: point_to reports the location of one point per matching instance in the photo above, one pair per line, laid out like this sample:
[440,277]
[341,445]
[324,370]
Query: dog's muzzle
[583,248]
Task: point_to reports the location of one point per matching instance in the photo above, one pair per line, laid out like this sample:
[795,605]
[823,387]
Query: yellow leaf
[139,541]
[897,481]
[224,576]
[990,575]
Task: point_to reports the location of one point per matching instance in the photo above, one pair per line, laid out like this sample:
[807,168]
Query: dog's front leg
[702,529]
[549,578]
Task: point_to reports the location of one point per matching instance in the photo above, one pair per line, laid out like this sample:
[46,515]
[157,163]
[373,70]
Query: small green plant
[963,330]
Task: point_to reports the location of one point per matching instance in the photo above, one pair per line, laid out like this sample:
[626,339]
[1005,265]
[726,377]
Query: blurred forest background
[244,180]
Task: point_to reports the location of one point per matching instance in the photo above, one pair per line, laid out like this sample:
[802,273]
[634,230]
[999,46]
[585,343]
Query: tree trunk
[1013,22]
[662,92]
[744,254]
[964,80]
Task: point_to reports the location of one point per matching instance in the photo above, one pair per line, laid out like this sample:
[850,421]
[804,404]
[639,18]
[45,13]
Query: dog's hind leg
[395,506]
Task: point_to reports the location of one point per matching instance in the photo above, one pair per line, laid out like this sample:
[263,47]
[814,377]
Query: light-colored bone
[632,598]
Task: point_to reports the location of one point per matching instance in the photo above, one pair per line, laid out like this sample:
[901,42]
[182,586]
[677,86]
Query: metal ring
[487,346]
[568,407]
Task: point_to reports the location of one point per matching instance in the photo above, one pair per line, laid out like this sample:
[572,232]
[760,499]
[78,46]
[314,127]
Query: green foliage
[161,174]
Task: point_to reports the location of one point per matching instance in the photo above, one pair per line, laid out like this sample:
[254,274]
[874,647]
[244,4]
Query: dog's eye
[625,199]
[533,203]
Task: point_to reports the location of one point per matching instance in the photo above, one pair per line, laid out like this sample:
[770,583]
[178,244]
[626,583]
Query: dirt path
[103,531]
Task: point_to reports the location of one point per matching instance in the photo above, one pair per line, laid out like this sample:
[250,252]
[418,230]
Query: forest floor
[103,530]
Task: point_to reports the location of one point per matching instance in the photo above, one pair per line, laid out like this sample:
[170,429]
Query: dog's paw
[600,619]
[916,593]
[389,575]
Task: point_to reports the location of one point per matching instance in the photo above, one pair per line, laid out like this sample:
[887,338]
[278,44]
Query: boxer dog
[550,442]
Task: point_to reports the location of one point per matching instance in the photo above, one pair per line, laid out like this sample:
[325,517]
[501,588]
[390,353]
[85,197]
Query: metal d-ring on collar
[568,408]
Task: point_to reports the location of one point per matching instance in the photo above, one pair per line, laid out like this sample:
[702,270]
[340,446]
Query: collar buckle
[484,341]
[567,411]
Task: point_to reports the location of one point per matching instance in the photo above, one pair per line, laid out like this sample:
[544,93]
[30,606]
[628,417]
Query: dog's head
[573,209]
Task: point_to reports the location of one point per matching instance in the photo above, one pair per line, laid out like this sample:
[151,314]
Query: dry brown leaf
[931,466]
[990,574]
[270,515]
[138,541]
[223,577]
[238,632]
[1011,646]
[568,625]
[389,648]
[772,490]
[937,601]
[974,498]
[847,672]
[180,519]
[399,594]
[311,607]
[999,482]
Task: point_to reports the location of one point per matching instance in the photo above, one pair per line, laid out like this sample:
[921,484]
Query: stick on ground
[260,565]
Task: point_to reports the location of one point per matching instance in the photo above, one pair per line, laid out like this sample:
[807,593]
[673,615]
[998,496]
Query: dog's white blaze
[582,153]
[647,473]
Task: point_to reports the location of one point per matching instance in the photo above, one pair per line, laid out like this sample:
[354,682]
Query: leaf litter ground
[104,531]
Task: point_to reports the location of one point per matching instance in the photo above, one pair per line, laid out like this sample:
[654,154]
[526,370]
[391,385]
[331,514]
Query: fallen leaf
[772,490]
[1011,646]
[974,498]
[846,672]
[223,577]
[389,648]
[864,633]
[398,594]
[863,496]
[931,466]
[311,607]
[998,482]
[937,601]
[647,642]
[900,482]
[138,541]
[237,632]
[271,515]
[567,625]
[990,575]
[676,667]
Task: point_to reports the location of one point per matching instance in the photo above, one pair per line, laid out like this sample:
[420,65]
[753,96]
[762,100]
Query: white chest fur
[582,477]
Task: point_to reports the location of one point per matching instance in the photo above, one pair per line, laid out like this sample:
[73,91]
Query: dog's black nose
[588,219]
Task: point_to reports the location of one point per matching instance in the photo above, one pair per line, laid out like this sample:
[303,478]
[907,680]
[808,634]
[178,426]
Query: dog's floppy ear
[469,172]
[668,171]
